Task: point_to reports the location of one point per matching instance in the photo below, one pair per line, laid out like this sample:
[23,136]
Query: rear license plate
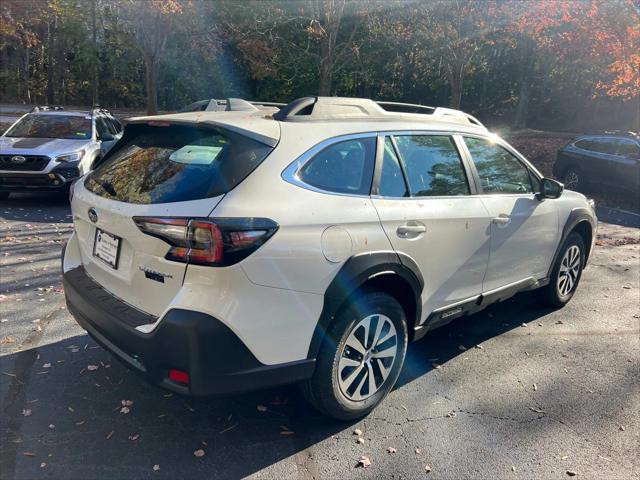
[106,247]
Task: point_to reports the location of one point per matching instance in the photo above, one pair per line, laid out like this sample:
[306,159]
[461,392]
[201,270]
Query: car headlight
[71,157]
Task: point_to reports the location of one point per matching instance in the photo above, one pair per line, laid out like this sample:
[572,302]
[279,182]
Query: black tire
[322,390]
[552,293]
[4,195]
[574,179]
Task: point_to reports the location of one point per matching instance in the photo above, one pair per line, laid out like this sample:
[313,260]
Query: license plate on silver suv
[106,247]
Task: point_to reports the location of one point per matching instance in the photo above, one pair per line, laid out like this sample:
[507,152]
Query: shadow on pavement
[76,412]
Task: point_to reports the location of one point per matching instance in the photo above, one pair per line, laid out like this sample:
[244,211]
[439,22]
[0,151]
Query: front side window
[391,179]
[67,127]
[175,164]
[498,169]
[344,167]
[605,145]
[432,165]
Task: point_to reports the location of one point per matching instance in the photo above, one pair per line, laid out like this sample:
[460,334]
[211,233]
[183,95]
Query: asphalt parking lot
[517,391]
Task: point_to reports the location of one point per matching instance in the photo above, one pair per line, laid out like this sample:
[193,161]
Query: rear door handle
[411,230]
[502,219]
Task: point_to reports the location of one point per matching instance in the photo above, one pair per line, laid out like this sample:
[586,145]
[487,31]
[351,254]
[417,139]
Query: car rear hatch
[164,175]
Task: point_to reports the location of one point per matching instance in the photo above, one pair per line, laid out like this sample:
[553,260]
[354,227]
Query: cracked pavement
[517,391]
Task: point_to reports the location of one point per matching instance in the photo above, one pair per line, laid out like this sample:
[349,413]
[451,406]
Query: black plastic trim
[576,216]
[353,274]
[217,361]
[294,108]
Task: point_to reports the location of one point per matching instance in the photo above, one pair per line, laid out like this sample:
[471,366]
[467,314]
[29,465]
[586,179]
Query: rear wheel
[361,358]
[567,271]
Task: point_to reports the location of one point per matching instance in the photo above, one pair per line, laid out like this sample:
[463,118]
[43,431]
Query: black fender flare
[577,215]
[353,274]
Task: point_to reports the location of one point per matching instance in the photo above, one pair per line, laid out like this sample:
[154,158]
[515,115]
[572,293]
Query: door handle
[503,219]
[411,230]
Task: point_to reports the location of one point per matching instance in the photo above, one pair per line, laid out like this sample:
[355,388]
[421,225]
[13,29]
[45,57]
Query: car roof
[58,113]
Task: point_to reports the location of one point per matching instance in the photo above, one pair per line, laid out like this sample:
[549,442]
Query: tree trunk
[522,110]
[152,66]
[326,78]
[50,69]
[456,79]
[95,97]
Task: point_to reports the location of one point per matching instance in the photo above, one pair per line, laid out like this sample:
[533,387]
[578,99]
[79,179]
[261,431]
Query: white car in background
[48,148]
[217,252]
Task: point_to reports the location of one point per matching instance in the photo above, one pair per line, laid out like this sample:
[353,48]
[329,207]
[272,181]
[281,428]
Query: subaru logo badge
[18,159]
[93,215]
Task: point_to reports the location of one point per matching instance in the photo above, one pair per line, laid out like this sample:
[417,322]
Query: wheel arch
[387,271]
[581,221]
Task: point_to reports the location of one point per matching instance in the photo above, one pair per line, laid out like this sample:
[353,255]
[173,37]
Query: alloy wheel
[571,180]
[569,270]
[367,357]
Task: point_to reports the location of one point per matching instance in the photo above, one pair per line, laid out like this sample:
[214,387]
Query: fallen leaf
[156,467]
[418,452]
[134,437]
[26,412]
[479,347]
[199,453]
[357,431]
[524,325]
[46,365]
[92,368]
[462,348]
[572,473]
[535,387]
[52,426]
[126,403]
[564,457]
[537,410]
[261,408]
[364,462]
[43,464]
[391,450]
[451,414]
[125,410]
[621,427]
[28,454]
[436,366]
[360,440]
[110,434]
[513,468]
[427,468]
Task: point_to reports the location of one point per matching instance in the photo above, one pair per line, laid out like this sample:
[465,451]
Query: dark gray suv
[608,160]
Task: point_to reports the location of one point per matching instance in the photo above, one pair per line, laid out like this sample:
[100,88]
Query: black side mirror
[105,137]
[550,188]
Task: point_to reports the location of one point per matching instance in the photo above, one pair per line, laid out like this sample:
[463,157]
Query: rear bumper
[215,358]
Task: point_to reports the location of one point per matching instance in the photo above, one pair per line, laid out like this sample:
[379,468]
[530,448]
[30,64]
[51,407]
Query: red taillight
[178,376]
[218,242]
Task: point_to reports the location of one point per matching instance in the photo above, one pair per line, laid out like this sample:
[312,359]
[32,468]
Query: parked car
[232,251]
[48,148]
[608,160]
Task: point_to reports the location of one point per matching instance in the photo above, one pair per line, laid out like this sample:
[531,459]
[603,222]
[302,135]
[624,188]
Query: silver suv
[48,148]
[216,252]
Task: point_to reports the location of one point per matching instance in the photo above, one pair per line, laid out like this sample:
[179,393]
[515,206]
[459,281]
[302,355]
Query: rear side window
[600,145]
[344,167]
[432,165]
[175,164]
[498,169]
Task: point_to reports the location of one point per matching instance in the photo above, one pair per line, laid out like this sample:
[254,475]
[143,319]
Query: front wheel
[360,359]
[573,179]
[567,271]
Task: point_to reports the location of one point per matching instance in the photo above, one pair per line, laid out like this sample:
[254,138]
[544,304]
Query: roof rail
[336,108]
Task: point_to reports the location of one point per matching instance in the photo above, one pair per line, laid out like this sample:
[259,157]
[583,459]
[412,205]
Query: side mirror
[550,188]
[106,137]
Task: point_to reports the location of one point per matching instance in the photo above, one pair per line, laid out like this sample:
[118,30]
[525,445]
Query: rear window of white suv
[175,164]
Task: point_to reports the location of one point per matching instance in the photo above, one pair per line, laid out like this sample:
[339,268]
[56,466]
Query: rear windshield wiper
[108,187]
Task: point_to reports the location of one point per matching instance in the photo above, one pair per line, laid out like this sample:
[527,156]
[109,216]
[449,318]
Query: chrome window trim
[291,173]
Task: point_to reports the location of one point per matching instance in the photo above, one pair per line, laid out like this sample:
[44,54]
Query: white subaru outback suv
[217,252]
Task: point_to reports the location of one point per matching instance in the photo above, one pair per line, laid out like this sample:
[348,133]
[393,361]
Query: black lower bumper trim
[217,361]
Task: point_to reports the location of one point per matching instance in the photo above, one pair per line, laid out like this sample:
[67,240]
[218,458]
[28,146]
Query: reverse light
[212,242]
[71,157]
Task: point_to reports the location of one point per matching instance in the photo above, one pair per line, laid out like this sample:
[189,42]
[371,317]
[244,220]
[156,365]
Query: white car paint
[272,299]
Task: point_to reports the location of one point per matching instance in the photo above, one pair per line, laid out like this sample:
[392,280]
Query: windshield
[68,127]
[175,164]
